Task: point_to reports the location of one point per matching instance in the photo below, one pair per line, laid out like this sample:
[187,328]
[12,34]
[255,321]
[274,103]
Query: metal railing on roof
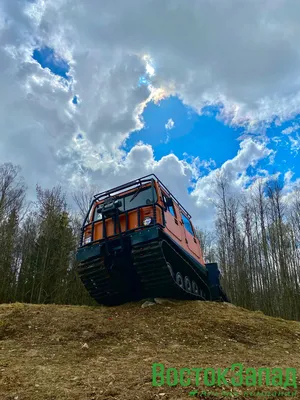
[138,182]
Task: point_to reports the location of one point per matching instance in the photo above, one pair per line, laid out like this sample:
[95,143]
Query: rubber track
[156,279]
[98,282]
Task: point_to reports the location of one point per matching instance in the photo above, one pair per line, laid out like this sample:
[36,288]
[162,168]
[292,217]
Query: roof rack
[138,182]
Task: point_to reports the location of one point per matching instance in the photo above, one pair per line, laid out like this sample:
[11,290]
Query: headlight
[88,240]
[147,221]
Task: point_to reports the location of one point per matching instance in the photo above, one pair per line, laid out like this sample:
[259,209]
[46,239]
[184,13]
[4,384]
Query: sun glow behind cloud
[150,65]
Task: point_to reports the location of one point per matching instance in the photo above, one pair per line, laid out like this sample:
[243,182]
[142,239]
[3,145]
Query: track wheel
[179,280]
[170,269]
[187,284]
[195,288]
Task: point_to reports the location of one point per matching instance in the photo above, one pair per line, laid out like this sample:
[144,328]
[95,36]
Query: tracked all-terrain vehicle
[138,242]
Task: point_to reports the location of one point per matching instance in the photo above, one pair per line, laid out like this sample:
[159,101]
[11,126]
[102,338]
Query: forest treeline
[256,242]
[38,244]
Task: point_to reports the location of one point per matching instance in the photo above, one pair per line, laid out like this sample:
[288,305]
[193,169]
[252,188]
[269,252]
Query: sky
[96,93]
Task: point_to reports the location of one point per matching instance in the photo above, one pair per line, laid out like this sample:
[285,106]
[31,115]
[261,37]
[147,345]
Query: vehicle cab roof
[137,183]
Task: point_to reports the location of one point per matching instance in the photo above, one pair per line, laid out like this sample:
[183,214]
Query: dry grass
[51,352]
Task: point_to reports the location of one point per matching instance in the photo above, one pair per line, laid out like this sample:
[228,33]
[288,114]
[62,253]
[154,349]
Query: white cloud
[291,129]
[243,57]
[295,144]
[291,190]
[140,161]
[208,164]
[288,176]
[170,124]
[234,171]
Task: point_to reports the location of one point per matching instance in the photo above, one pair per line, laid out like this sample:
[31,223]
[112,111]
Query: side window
[170,208]
[187,224]
[97,216]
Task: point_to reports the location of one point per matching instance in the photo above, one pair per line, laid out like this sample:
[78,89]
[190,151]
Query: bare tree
[83,199]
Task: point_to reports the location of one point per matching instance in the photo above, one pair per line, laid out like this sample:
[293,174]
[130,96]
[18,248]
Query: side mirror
[118,203]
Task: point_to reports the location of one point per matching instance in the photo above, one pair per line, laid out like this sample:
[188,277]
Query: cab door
[190,238]
[172,217]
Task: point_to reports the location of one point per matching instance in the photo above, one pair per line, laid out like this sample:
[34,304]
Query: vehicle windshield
[138,198]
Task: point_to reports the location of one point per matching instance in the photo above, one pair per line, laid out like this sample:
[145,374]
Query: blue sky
[204,136]
[47,58]
[207,137]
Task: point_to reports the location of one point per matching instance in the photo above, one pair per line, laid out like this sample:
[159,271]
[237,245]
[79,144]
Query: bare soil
[53,352]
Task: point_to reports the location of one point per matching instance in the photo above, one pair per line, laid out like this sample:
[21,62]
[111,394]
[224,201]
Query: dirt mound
[51,352]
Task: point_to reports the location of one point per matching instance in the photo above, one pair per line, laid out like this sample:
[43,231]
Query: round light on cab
[147,221]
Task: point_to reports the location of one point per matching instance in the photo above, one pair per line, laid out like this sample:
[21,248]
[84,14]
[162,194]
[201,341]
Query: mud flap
[213,274]
[144,236]
[89,252]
